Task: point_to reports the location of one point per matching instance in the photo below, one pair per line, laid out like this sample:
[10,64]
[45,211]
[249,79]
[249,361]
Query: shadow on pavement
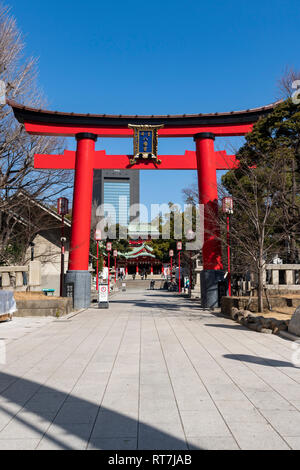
[259,360]
[164,305]
[75,419]
[229,327]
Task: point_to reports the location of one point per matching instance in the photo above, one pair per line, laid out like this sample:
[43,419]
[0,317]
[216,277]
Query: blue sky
[160,57]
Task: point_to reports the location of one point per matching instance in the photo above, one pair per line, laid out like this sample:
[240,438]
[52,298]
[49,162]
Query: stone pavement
[152,372]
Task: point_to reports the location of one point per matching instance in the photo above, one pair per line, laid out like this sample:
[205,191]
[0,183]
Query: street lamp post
[171,254]
[190,236]
[32,251]
[97,237]
[108,249]
[227,207]
[191,274]
[62,209]
[115,253]
[179,248]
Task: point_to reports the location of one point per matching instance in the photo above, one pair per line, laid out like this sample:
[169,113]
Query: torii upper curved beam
[46,122]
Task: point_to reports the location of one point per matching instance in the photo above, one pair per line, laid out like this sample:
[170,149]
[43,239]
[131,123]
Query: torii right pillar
[208,196]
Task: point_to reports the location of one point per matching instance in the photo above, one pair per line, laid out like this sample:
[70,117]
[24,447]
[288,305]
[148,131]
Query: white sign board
[103,293]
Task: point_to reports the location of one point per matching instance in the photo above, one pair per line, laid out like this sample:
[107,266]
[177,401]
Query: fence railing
[21,277]
[282,276]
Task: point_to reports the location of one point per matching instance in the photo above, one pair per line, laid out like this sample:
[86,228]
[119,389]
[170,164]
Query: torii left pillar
[78,272]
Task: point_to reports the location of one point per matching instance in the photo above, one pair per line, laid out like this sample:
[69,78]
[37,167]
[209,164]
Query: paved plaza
[154,371]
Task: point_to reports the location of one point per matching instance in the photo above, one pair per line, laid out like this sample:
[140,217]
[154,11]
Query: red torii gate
[87,127]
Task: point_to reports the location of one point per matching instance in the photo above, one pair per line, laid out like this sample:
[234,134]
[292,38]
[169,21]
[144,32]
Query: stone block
[5,279]
[19,279]
[289,277]
[227,305]
[294,325]
[234,313]
[34,273]
[267,331]
[275,276]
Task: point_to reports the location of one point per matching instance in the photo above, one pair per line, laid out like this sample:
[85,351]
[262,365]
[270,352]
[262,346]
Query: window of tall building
[117,200]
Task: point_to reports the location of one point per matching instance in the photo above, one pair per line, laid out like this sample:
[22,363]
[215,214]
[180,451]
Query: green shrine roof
[142,250]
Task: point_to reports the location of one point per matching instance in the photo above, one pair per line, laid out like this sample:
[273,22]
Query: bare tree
[17,148]
[285,83]
[191,194]
[258,227]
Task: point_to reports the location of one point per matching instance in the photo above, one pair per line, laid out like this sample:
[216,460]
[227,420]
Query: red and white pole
[179,248]
[228,256]
[179,275]
[62,256]
[171,253]
[108,266]
[97,269]
[97,237]
[115,256]
[191,272]
[108,249]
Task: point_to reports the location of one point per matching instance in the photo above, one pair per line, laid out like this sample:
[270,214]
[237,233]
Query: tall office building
[119,189]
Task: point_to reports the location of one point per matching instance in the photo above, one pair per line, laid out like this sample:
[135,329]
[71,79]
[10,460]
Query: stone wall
[54,307]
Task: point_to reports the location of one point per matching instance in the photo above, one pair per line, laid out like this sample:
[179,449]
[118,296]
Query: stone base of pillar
[209,287]
[196,291]
[81,281]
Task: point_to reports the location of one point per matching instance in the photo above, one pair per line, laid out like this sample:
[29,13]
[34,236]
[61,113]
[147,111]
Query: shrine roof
[142,250]
[137,255]
[28,114]
[143,246]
